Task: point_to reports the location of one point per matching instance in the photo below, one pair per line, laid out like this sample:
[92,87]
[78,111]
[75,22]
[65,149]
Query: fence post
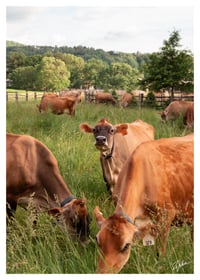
[26,95]
[141,97]
[16,96]
[35,95]
[6,96]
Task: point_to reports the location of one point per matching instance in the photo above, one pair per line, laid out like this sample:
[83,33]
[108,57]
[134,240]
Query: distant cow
[175,109]
[126,99]
[105,98]
[116,142]
[72,93]
[58,105]
[156,186]
[189,116]
[32,175]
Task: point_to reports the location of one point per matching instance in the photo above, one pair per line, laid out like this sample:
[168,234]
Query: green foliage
[24,77]
[53,74]
[150,100]
[48,249]
[169,68]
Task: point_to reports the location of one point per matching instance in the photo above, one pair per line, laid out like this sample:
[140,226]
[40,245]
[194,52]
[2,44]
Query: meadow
[51,250]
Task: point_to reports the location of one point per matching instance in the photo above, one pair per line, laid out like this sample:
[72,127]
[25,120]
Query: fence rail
[140,100]
[18,96]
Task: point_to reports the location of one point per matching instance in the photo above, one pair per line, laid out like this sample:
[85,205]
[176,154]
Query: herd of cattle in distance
[66,103]
[150,181]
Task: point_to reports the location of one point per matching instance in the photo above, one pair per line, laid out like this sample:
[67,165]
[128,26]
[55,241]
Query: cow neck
[111,151]
[129,200]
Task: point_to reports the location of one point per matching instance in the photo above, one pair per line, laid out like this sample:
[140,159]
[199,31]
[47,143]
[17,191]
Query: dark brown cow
[156,186]
[126,99]
[189,116]
[32,174]
[174,110]
[105,98]
[58,105]
[116,142]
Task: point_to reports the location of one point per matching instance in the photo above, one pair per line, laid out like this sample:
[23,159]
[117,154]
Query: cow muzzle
[101,143]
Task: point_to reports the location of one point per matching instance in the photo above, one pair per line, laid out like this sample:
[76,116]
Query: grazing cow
[126,99]
[156,186]
[32,175]
[174,110]
[189,116]
[58,105]
[72,93]
[105,98]
[116,142]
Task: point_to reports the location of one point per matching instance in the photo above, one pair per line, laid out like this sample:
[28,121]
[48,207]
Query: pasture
[51,250]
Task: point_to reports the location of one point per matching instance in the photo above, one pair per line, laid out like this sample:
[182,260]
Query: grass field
[51,251]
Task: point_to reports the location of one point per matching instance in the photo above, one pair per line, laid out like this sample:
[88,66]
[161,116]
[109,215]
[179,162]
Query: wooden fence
[27,96]
[140,100]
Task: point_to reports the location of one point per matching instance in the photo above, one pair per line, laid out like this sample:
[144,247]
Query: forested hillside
[57,68]
[133,59]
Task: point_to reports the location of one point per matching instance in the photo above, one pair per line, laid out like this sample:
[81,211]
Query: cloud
[110,28]
[16,14]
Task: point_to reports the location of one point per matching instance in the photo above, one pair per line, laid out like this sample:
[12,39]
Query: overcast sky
[126,29]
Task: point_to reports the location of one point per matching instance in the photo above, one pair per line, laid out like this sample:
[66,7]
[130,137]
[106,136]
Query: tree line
[57,68]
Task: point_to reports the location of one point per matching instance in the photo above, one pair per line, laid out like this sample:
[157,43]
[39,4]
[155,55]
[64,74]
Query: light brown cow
[32,172]
[126,99]
[174,110]
[78,94]
[116,142]
[58,105]
[105,98]
[156,186]
[189,116]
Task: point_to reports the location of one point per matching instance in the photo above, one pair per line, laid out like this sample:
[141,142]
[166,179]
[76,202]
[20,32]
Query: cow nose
[100,140]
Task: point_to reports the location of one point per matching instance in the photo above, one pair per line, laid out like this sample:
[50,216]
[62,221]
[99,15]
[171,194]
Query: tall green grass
[49,249]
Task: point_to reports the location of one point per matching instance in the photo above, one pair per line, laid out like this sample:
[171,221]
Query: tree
[168,68]
[53,74]
[93,70]
[24,78]
[123,76]
[75,65]
[14,60]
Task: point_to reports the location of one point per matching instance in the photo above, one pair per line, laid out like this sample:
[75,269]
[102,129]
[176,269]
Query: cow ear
[55,211]
[86,128]
[98,216]
[122,128]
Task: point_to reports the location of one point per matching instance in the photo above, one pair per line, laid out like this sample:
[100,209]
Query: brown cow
[116,142]
[58,105]
[156,186]
[189,116]
[105,98]
[126,99]
[174,110]
[72,93]
[32,172]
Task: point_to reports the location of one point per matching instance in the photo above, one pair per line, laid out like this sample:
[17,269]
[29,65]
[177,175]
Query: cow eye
[125,248]
[94,129]
[112,130]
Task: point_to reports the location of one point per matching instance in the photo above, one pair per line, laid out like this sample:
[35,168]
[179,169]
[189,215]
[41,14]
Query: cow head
[115,238]
[163,115]
[75,216]
[103,133]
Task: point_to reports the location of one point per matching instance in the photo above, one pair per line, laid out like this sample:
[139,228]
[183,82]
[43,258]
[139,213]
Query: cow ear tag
[148,240]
